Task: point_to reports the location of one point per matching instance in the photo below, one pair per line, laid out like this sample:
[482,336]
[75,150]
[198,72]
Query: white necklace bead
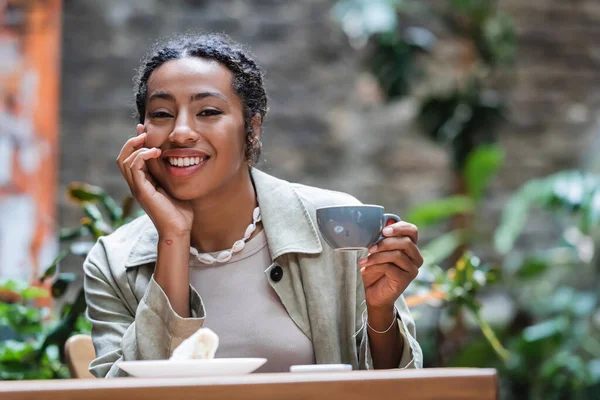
[249,231]
[206,258]
[238,246]
[224,256]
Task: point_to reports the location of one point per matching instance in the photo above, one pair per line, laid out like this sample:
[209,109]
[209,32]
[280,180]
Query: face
[196,119]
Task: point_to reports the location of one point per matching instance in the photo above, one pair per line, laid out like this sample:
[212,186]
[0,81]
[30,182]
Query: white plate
[191,368]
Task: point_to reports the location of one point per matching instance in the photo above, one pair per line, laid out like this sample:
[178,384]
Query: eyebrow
[160,94]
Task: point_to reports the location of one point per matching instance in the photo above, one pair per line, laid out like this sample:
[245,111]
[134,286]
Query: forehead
[191,74]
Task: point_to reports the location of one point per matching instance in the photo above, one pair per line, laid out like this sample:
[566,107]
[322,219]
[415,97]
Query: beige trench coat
[321,289]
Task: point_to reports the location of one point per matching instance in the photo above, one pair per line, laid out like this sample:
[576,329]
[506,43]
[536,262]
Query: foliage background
[510,238]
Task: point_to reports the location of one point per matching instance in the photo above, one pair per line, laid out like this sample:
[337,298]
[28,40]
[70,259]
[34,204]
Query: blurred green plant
[34,336]
[480,167]
[552,350]
[24,325]
[467,111]
[456,290]
[557,354]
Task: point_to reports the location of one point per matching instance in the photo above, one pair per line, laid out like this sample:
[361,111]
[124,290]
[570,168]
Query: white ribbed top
[246,313]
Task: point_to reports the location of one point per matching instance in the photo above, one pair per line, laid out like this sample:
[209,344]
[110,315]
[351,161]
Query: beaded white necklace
[238,246]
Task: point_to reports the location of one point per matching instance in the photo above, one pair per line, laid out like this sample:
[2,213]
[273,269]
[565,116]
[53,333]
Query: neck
[222,217]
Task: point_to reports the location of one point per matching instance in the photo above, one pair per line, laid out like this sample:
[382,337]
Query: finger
[138,174]
[126,165]
[130,146]
[151,179]
[376,272]
[402,228]
[396,257]
[139,162]
[403,243]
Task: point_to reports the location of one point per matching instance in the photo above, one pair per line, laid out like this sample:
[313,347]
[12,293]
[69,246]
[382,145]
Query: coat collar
[286,220]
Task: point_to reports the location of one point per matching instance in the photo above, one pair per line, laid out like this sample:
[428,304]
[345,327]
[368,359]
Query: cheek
[236,137]
[156,135]
[154,166]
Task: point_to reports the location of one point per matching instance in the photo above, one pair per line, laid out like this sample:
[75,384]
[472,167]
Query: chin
[186,193]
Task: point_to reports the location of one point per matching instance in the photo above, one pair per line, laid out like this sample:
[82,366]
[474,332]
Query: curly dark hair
[247,76]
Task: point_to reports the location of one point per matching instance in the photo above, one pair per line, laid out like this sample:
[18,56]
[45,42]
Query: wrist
[174,235]
[380,317]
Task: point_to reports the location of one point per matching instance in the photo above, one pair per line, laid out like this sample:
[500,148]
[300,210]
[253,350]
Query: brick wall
[321,129]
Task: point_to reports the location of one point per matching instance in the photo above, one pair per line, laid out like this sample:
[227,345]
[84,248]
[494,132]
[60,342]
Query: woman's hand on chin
[171,217]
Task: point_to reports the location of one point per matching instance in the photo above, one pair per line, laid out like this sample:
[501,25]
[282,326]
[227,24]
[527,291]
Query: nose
[183,133]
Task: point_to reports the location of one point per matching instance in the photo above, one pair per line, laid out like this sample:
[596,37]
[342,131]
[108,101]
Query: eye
[160,114]
[209,113]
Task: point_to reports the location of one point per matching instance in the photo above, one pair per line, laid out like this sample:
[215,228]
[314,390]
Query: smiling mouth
[182,162]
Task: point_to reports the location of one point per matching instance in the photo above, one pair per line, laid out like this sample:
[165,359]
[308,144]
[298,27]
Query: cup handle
[386,219]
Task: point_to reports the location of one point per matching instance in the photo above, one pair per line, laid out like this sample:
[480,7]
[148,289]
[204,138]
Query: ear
[256,124]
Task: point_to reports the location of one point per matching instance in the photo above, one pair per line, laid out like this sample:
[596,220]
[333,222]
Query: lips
[184,162]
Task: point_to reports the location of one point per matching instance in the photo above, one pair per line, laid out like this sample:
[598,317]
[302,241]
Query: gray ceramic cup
[351,228]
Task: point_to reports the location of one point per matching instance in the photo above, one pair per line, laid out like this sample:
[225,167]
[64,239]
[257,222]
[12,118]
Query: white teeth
[185,161]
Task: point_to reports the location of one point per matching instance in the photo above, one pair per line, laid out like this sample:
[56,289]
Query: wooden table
[430,384]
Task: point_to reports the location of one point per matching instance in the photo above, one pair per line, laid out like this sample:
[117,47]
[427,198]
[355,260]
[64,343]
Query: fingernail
[362,261]
[388,231]
[373,249]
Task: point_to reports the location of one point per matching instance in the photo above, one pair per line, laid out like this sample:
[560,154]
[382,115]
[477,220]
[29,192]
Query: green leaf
[545,330]
[499,39]
[591,212]
[92,211]
[97,228]
[13,285]
[516,213]
[15,351]
[443,246]
[532,267]
[568,192]
[34,293]
[481,166]
[51,270]
[436,211]
[83,325]
[489,334]
[594,368]
[80,192]
[67,234]
[114,211]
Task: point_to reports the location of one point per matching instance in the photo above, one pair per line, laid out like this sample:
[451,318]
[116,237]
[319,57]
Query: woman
[278,293]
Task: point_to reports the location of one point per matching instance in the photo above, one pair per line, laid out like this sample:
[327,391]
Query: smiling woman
[226,246]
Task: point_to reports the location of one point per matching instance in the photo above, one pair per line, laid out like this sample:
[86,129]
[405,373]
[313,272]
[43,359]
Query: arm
[373,351]
[172,271]
[386,271]
[386,343]
[120,331]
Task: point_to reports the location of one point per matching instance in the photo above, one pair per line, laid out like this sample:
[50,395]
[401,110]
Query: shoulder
[315,197]
[280,193]
[118,247]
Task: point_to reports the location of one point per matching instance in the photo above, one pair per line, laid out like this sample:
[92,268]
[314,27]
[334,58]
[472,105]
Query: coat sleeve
[151,332]
[412,355]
